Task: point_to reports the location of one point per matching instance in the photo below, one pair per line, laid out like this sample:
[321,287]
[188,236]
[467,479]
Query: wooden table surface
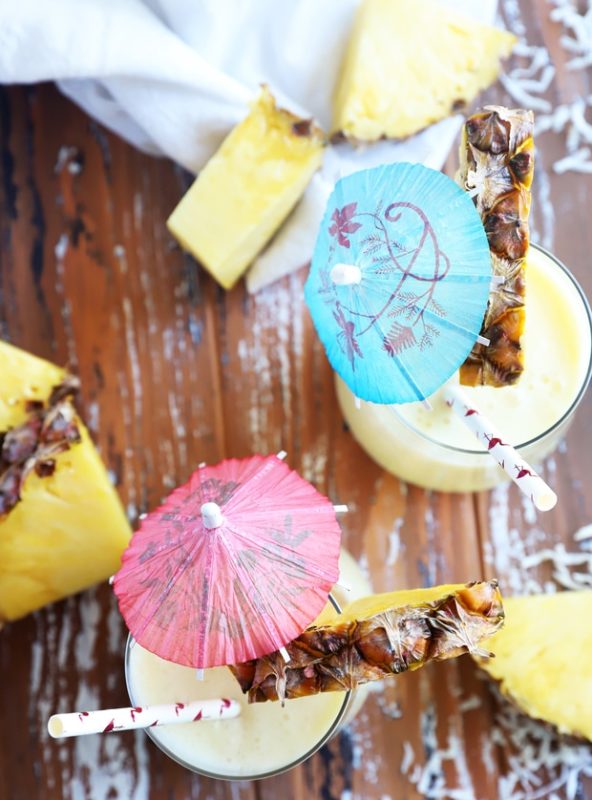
[176,371]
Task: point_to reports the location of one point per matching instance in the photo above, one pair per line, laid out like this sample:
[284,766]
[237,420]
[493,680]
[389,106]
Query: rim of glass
[251,776]
[565,416]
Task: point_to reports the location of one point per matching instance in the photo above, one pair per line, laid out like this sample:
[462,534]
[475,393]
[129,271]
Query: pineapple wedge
[247,189]
[62,527]
[542,658]
[376,637]
[409,65]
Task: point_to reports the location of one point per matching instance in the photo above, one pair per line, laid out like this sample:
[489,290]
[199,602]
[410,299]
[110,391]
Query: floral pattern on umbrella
[405,309]
[204,596]
[406,325]
[342,224]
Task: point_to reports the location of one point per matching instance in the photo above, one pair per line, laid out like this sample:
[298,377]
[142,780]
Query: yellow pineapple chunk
[410,64]
[542,658]
[247,189]
[64,529]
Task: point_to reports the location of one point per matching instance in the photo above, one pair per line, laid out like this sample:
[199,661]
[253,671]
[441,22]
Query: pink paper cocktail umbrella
[235,564]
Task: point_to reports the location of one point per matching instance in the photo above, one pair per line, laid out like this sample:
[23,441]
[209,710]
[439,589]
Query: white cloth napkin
[173,76]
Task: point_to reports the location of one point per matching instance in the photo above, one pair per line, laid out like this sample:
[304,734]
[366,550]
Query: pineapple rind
[408,66]
[247,189]
[542,658]
[69,529]
[352,649]
[497,161]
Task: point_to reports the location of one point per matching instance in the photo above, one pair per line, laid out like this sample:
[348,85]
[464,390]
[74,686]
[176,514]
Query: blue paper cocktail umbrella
[399,281]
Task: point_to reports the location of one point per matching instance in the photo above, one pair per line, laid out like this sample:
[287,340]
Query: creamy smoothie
[434,449]
[266,738]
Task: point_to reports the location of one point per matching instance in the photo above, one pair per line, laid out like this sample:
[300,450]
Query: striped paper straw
[523,475]
[80,723]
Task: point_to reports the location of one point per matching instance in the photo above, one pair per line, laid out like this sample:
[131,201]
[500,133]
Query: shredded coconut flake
[540,762]
[530,80]
[408,757]
[578,162]
[69,158]
[583,533]
[527,82]
[571,119]
[562,561]
[470,704]
[578,26]
[429,778]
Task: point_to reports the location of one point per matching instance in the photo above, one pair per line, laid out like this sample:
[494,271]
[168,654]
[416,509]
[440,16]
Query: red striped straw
[108,720]
[523,475]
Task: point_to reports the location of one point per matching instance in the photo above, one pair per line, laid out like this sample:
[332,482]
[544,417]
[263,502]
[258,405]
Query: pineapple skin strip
[347,651]
[496,167]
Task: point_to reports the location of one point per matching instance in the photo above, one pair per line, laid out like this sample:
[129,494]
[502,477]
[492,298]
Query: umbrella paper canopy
[235,564]
[399,281]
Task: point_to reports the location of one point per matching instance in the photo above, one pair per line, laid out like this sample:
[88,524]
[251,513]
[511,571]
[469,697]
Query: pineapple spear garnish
[542,658]
[496,166]
[376,637]
[62,527]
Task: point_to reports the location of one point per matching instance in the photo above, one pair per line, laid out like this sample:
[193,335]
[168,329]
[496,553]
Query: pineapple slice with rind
[366,607]
[542,658]
[62,526]
[496,166]
[376,637]
[408,65]
[247,189]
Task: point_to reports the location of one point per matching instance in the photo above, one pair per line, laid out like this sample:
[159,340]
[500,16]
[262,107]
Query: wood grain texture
[174,372]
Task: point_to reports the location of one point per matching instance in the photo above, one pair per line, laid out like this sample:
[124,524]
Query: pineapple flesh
[408,65]
[62,526]
[496,166]
[542,658]
[247,189]
[376,637]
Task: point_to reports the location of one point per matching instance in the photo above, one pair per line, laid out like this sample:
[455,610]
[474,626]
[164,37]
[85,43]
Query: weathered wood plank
[174,372]
[89,277]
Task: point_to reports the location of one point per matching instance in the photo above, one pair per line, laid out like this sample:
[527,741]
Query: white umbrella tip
[211,515]
[346,274]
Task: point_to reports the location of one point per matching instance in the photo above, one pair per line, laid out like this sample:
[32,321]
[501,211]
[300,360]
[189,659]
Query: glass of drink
[266,739]
[434,449]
